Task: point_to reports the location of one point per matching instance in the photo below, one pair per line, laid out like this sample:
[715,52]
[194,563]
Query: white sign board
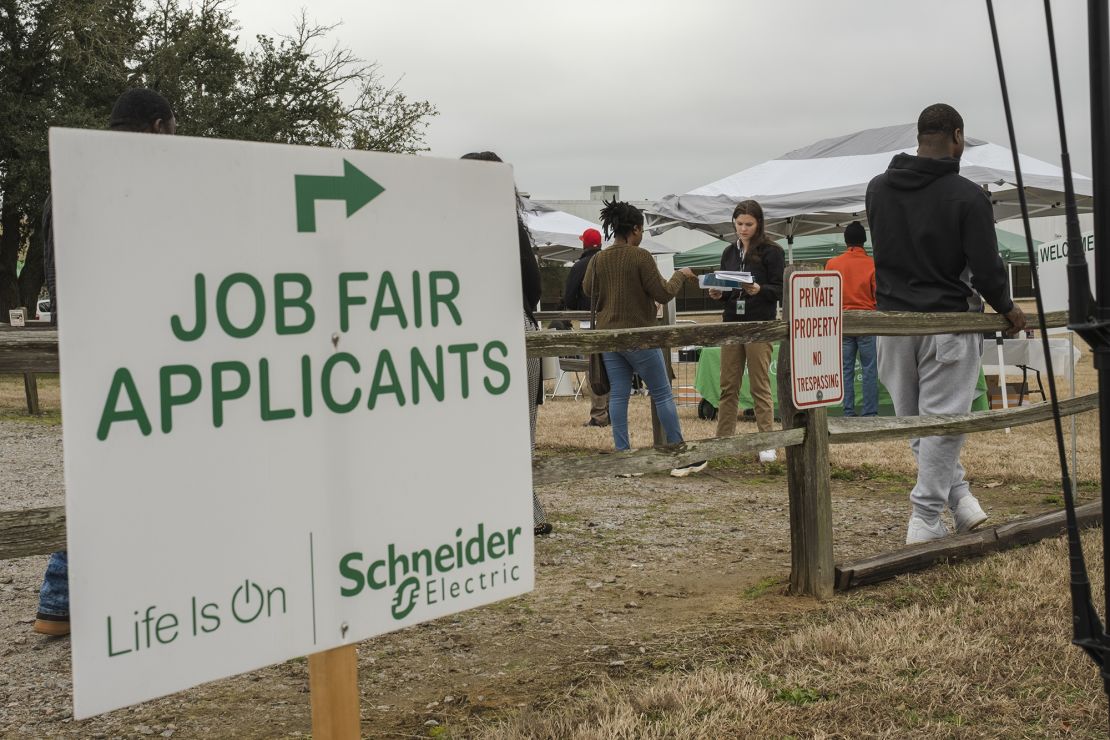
[1052,267]
[281,442]
[816,369]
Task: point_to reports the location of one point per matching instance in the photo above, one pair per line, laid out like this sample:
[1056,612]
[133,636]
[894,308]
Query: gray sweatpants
[933,375]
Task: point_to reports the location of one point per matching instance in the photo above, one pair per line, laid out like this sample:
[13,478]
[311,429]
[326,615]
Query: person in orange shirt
[857,272]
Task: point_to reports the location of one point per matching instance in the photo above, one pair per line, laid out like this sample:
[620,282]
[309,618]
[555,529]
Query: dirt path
[641,575]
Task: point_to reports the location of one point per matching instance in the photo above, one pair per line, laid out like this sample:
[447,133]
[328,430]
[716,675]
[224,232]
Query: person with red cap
[575,299]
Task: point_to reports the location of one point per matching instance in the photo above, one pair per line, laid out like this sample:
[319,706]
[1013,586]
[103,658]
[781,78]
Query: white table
[1028,354]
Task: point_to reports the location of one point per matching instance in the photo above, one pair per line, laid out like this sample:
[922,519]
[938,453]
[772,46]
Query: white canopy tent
[820,188]
[556,233]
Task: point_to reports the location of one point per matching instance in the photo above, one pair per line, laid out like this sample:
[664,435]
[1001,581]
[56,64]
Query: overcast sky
[662,97]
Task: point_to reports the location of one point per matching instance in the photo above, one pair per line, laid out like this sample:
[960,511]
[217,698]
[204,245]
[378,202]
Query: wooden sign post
[807,467]
[333,687]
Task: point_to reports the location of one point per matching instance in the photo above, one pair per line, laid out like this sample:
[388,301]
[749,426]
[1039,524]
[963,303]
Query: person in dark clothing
[757,301]
[560,324]
[575,299]
[138,110]
[532,289]
[935,249]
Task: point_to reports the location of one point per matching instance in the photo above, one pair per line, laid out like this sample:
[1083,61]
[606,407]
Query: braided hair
[620,219]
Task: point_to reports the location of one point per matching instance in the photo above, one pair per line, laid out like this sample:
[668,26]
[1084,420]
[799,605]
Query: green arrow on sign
[352,186]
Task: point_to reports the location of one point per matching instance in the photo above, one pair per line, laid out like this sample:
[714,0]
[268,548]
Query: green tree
[190,54]
[63,63]
[294,92]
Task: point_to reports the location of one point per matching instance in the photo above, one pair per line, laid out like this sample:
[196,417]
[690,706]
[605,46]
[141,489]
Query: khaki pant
[599,405]
[757,356]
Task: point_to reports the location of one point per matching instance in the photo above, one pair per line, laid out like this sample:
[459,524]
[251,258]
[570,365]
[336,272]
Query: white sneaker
[968,514]
[768,456]
[685,470]
[919,531]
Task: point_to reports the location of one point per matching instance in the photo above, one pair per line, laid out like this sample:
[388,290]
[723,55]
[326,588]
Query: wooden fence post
[812,571]
[658,437]
[333,686]
[31,391]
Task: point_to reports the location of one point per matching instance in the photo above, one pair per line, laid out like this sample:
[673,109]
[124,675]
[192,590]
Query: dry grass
[13,399]
[978,650]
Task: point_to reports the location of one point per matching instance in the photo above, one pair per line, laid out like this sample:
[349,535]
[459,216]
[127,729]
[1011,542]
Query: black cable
[1086,624]
[1033,262]
[1087,628]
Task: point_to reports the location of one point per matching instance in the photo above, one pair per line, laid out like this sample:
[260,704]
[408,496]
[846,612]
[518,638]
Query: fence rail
[564,468]
[37,350]
[856,323]
[957,547]
[806,435]
[28,350]
[847,431]
[32,532]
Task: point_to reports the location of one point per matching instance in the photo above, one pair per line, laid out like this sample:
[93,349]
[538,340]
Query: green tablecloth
[707,382]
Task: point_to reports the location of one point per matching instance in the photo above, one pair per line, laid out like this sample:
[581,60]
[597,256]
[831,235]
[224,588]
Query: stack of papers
[724,279]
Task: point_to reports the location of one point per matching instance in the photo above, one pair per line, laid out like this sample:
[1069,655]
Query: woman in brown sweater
[625,285]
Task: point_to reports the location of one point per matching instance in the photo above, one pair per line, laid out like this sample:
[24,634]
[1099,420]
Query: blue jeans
[54,596]
[865,347]
[649,365]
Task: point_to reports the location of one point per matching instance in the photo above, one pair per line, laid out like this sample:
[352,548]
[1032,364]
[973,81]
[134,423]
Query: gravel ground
[641,575]
[31,468]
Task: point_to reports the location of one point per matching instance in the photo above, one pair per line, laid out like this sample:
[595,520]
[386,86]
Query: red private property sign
[816,327]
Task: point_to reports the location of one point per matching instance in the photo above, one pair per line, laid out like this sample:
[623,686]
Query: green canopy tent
[821,247]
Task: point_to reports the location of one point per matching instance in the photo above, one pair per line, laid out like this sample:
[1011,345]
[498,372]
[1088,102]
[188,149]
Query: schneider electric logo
[434,574]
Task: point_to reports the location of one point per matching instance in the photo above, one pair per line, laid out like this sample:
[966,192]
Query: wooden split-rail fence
[806,435]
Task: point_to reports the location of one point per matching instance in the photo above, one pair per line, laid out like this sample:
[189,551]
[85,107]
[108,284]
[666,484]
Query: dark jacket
[529,271]
[574,298]
[766,264]
[48,255]
[933,238]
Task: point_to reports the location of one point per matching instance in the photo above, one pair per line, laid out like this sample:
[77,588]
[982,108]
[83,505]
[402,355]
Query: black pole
[1098,37]
[1098,32]
[1086,316]
[790,239]
[1088,630]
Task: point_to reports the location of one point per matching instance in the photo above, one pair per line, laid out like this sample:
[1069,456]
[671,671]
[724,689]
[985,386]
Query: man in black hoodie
[935,250]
